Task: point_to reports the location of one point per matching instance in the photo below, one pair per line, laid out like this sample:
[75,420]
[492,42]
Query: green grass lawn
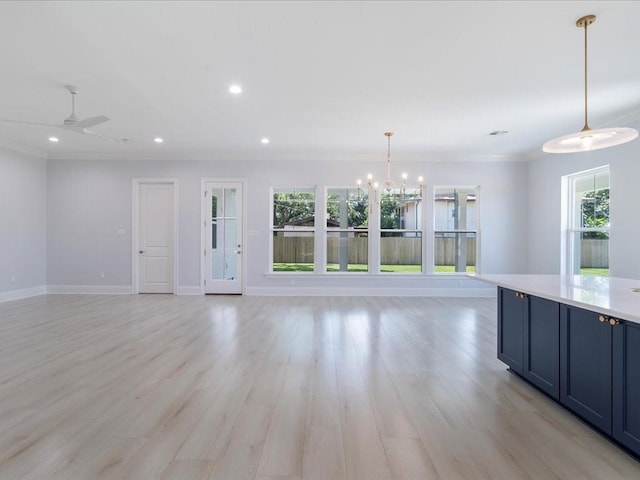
[595,271]
[334,267]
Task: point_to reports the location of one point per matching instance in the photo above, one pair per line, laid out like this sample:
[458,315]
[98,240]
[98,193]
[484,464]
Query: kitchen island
[577,339]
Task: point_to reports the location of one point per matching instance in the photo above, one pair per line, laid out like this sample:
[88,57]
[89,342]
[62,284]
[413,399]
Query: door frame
[135,225]
[205,214]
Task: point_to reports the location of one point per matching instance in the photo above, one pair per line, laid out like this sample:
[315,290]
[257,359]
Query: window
[347,230]
[401,231]
[455,229]
[293,229]
[588,225]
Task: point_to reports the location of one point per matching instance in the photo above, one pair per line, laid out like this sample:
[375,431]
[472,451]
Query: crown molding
[239,156]
[18,148]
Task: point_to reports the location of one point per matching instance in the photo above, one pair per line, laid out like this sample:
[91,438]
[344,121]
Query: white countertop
[611,296]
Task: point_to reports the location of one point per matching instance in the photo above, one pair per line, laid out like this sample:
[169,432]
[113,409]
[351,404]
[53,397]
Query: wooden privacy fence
[594,253]
[407,251]
[393,250]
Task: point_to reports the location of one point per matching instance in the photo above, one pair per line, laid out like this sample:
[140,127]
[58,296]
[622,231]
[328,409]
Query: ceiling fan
[72,122]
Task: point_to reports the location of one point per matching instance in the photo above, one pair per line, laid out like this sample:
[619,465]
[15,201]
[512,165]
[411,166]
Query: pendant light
[588,139]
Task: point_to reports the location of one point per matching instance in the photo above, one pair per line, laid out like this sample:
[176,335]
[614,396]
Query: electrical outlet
[101,274]
[13,279]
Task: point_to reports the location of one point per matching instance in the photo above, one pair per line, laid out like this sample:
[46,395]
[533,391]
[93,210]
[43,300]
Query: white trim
[370,292]
[18,148]
[90,289]
[22,293]
[302,155]
[135,204]
[568,252]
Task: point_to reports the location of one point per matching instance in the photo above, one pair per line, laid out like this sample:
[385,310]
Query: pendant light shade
[589,139]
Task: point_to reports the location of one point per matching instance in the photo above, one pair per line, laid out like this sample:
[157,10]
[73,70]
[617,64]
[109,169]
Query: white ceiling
[322,80]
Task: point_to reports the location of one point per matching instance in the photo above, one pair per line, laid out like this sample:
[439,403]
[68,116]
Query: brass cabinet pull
[612,321]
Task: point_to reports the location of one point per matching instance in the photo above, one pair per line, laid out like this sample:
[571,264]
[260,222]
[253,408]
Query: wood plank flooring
[288,388]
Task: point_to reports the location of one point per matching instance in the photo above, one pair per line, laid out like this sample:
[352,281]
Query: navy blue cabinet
[528,336]
[511,319]
[541,345]
[588,361]
[585,365]
[626,384]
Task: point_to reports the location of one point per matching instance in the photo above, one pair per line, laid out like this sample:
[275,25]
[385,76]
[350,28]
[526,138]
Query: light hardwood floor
[229,387]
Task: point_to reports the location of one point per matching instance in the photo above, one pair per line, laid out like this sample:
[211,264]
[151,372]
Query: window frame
[419,230]
[312,189]
[349,230]
[475,189]
[572,265]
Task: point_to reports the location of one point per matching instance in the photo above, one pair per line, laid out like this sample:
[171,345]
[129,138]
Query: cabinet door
[511,312]
[626,385]
[585,366]
[542,345]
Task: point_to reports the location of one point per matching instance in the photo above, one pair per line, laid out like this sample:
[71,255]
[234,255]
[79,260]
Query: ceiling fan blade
[106,139]
[28,123]
[90,122]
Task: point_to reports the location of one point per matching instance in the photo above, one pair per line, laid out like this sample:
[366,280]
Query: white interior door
[223,210]
[156,238]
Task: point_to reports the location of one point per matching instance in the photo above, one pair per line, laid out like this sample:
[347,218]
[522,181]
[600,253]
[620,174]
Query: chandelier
[389,183]
[589,139]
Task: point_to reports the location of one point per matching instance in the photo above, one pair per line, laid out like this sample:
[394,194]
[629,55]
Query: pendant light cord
[586,123]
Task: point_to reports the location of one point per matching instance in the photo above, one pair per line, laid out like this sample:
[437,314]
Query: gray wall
[90,200]
[60,219]
[23,224]
[544,207]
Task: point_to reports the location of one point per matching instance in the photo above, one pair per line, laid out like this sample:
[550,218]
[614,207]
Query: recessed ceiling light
[264,140]
[235,89]
[158,140]
[54,139]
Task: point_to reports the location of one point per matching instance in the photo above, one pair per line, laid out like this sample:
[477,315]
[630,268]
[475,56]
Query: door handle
[140,251]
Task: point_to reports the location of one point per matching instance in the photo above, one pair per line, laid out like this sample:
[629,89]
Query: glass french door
[223,237]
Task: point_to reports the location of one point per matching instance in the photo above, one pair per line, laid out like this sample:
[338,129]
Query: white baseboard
[90,289]
[108,290]
[259,291]
[371,292]
[22,293]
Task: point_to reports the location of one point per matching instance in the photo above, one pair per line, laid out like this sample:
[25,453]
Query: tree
[357,207]
[595,212]
[389,217]
[290,207]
